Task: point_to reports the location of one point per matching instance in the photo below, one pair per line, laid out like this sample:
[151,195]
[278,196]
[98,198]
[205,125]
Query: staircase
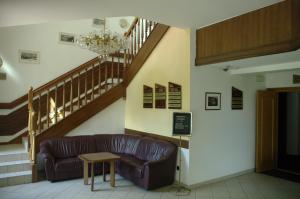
[15,167]
[69,100]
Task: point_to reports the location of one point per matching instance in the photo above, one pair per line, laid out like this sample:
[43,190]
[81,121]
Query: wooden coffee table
[91,158]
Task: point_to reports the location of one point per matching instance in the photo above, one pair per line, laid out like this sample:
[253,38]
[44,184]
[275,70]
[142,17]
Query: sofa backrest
[150,149]
[143,148]
[69,146]
[116,143]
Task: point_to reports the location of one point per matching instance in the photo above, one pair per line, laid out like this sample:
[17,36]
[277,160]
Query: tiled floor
[250,186]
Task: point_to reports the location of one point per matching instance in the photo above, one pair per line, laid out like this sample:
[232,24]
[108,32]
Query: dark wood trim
[285,89]
[13,104]
[78,117]
[184,143]
[17,140]
[34,170]
[156,35]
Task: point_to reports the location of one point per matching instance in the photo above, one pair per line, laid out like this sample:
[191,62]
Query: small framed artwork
[212,101]
[66,38]
[160,96]
[148,97]
[236,99]
[29,56]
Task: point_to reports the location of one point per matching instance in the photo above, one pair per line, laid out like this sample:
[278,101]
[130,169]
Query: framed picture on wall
[66,38]
[29,56]
[212,101]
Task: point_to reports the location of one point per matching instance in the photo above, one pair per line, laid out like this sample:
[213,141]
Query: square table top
[98,157]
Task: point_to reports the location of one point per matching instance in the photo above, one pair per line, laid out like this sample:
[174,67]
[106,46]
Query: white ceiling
[180,13]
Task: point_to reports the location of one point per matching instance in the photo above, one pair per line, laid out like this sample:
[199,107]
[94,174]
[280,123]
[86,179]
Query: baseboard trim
[193,186]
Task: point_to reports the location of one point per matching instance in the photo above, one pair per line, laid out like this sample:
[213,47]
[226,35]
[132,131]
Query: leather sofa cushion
[64,165]
[71,146]
[102,142]
[126,144]
[131,164]
[150,149]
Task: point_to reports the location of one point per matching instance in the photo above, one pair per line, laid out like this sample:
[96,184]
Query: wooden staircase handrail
[65,76]
[132,26]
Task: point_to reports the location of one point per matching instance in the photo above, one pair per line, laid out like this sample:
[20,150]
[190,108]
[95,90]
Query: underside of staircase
[71,99]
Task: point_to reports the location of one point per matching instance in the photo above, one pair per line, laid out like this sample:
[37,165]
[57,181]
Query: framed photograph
[29,56]
[212,101]
[66,38]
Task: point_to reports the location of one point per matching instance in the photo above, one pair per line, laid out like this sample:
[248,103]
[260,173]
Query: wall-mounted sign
[296,79]
[237,99]
[147,97]
[182,123]
[160,96]
[174,96]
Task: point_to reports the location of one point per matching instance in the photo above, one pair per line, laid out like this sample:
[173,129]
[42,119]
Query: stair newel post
[32,125]
[64,99]
[85,86]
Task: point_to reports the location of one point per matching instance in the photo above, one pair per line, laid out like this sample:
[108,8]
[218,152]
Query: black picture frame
[213,101]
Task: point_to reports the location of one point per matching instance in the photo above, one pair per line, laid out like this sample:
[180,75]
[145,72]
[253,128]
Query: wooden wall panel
[266,31]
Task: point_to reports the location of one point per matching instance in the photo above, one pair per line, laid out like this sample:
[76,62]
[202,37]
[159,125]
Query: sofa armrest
[48,159]
[160,172]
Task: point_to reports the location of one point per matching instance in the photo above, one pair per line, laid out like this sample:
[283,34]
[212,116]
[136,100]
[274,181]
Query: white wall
[55,58]
[281,79]
[223,141]
[169,62]
[108,121]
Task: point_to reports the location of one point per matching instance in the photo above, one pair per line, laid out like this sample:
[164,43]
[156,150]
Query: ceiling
[179,13]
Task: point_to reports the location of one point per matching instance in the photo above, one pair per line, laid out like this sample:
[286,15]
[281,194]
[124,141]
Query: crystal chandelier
[103,42]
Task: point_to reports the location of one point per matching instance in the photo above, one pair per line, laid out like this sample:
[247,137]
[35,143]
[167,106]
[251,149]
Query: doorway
[278,133]
[289,132]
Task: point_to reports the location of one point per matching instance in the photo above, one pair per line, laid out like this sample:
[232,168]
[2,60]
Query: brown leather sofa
[147,162]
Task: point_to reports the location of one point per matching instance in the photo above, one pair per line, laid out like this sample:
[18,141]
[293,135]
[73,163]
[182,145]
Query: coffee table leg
[92,176]
[104,177]
[85,172]
[112,173]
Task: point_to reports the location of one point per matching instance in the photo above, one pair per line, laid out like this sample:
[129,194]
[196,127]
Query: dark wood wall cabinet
[270,30]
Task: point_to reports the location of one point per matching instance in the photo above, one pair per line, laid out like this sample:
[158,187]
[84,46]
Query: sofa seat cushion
[131,164]
[67,164]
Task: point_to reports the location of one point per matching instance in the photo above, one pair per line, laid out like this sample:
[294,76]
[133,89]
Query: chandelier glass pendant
[103,42]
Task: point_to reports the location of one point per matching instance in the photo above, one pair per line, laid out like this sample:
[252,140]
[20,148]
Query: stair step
[15,166]
[15,178]
[13,152]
